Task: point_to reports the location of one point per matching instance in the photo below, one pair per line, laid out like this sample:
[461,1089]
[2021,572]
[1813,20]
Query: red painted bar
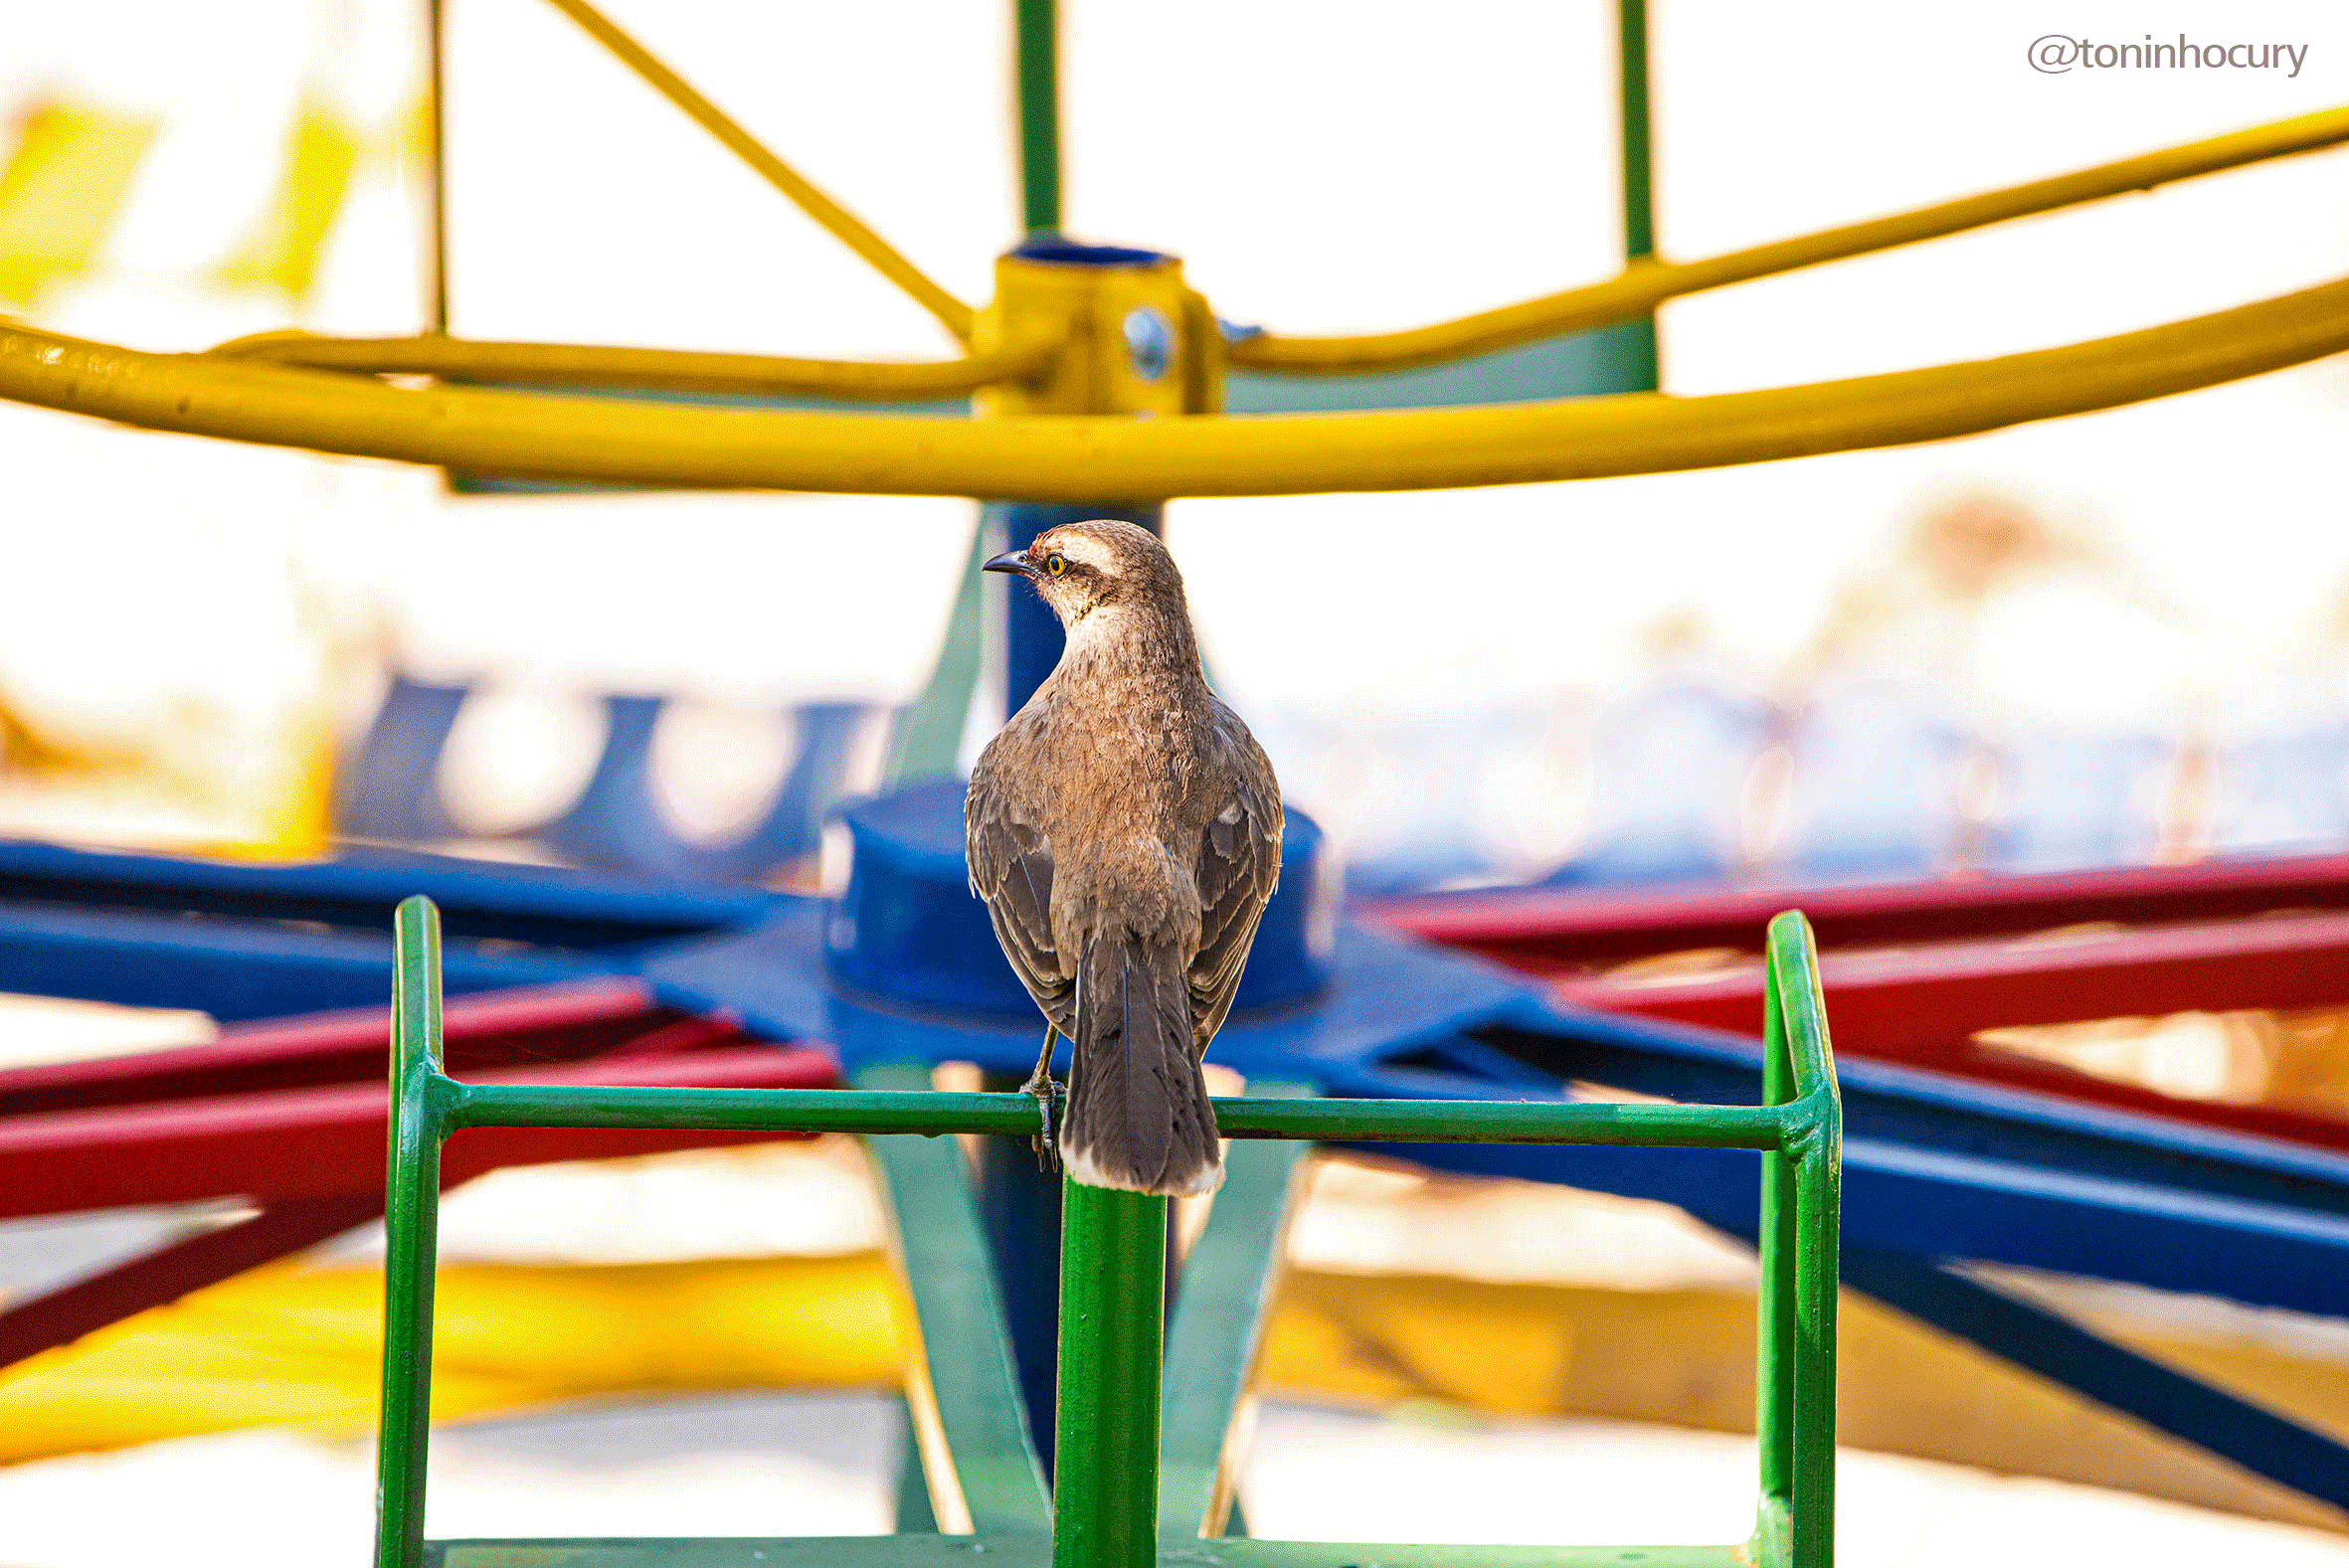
[486,1031]
[1927,1002]
[329,1140]
[63,1316]
[1543,930]
[1913,971]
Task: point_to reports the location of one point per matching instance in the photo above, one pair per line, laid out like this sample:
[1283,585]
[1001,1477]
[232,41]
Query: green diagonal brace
[951,1275]
[1222,1305]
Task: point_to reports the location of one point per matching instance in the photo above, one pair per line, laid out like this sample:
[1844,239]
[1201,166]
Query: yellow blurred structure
[297,1345]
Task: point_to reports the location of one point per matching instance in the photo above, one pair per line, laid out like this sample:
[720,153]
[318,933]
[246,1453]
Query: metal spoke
[836,219]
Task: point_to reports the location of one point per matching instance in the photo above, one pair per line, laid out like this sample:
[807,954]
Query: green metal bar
[931,732]
[1222,1306]
[1105,1511]
[1639,179]
[963,1551]
[1776,1339]
[921,1110]
[1642,363]
[1815,1154]
[1036,44]
[411,1229]
[1105,1495]
[966,1357]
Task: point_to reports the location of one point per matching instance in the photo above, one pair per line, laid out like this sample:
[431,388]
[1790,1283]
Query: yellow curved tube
[667,370]
[843,225]
[1060,458]
[1644,285]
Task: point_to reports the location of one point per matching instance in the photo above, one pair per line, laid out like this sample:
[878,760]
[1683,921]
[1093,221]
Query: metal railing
[1105,1505]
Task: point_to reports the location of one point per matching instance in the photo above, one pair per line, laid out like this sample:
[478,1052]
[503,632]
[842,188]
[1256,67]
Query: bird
[1124,829]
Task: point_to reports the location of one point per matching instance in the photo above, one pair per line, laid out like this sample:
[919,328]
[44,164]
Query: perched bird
[1125,831]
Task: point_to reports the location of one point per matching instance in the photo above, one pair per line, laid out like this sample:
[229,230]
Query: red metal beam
[65,1314]
[1547,930]
[482,1032]
[329,1140]
[1929,1001]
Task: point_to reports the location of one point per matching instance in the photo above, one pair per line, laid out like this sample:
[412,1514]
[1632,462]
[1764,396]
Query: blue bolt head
[1150,342]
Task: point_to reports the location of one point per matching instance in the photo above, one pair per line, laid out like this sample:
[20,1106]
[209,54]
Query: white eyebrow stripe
[1086,552]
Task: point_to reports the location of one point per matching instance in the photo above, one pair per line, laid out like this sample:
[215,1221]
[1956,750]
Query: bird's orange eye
[1056,563]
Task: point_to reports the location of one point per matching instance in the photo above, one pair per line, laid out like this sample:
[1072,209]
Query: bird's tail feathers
[1137,1110]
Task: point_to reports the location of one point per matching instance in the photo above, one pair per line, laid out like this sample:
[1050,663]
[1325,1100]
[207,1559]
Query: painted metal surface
[1096,457]
[829,214]
[1215,1333]
[1638,289]
[1036,32]
[1113,1283]
[2171,1401]
[1542,931]
[976,1448]
[1939,962]
[291,1116]
[1107,1481]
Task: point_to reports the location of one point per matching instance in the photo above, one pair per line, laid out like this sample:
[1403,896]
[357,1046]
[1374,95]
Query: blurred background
[2119,638]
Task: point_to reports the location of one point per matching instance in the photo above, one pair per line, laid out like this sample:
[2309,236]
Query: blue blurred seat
[390,790]
[387,790]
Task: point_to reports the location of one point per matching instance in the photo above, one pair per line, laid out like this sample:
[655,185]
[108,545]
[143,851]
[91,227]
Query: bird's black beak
[1011,561]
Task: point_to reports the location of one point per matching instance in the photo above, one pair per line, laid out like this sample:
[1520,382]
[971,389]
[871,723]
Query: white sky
[1320,168]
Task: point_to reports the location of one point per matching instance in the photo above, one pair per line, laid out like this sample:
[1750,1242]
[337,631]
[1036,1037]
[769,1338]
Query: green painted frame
[1127,1461]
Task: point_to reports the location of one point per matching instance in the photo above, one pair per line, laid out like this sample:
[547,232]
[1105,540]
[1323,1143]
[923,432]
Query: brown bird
[1125,831]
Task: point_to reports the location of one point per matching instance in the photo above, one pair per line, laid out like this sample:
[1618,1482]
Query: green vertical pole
[1104,1481]
[1639,173]
[1035,33]
[1775,1346]
[1818,1181]
[412,1198]
[1639,180]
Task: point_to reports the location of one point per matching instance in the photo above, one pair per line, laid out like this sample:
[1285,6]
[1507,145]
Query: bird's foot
[1046,1095]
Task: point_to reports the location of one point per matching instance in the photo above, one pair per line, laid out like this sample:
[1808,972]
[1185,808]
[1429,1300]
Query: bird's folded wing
[1011,869]
[1239,864]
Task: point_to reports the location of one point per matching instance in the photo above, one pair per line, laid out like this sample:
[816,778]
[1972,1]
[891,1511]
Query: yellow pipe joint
[1134,340]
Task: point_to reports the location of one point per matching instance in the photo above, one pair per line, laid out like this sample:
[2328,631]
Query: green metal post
[1639,180]
[1639,171]
[1775,1348]
[412,1200]
[1814,1150]
[1036,45]
[1105,1495]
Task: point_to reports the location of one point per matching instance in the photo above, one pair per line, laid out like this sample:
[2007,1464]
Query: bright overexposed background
[1316,173]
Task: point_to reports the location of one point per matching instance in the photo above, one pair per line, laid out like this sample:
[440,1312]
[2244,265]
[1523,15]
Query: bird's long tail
[1137,1110]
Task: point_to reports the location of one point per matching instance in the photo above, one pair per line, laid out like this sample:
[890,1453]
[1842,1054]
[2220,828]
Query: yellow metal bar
[1644,285]
[665,370]
[843,225]
[1097,458]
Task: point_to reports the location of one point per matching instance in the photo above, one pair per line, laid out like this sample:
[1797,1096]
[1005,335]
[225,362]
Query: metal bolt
[1150,342]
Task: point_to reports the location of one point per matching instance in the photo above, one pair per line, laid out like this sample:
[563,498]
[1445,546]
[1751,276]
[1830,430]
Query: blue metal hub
[907,928]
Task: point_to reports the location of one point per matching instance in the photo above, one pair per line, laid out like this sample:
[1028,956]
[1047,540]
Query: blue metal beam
[2175,1402]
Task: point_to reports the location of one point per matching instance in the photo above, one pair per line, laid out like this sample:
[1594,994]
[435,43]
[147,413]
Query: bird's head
[1080,568]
